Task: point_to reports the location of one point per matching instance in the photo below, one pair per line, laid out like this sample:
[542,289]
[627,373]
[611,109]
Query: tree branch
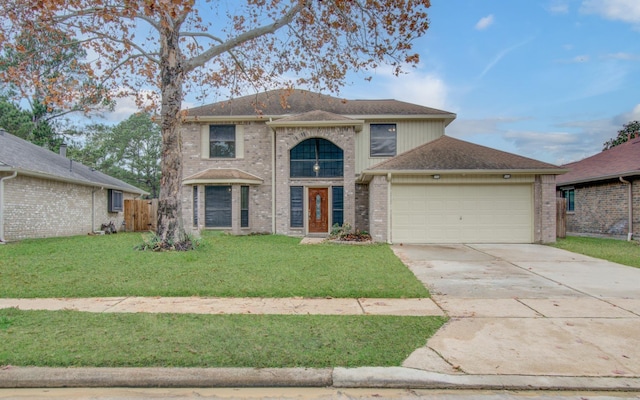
[224,47]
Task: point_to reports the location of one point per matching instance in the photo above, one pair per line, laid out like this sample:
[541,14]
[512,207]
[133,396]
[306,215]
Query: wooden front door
[318,210]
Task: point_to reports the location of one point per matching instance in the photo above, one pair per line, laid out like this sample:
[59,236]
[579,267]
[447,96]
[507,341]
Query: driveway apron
[526,309]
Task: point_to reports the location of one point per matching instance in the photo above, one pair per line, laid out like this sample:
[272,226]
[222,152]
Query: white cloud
[501,54]
[558,7]
[126,105]
[425,89]
[414,86]
[566,142]
[485,22]
[622,10]
[622,56]
[575,60]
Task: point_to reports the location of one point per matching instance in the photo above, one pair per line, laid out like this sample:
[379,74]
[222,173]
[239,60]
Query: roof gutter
[599,178]
[5,178]
[630,204]
[77,181]
[368,174]
[447,118]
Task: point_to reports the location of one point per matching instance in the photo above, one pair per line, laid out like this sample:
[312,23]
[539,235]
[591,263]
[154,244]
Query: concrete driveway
[528,310]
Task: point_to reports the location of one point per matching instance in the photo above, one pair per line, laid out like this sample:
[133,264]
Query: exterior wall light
[436,176]
[506,176]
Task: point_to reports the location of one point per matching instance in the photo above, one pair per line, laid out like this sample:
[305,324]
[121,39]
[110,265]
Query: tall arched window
[316,157]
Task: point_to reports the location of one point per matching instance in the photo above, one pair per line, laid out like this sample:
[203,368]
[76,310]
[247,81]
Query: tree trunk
[170,228]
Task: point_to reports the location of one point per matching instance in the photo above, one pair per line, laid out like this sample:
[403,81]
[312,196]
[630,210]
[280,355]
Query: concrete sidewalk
[217,305]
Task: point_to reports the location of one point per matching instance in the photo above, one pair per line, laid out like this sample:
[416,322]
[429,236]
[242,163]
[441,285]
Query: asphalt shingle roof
[223,174]
[302,101]
[28,158]
[447,153]
[622,160]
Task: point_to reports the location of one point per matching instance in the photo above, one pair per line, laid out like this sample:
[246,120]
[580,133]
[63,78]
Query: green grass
[618,251]
[225,266]
[71,338]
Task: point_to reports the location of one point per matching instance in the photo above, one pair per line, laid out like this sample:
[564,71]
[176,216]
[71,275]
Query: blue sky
[546,79]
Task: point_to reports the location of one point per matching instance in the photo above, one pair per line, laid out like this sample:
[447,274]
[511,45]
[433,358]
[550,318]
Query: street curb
[43,377]
[364,377]
[400,377]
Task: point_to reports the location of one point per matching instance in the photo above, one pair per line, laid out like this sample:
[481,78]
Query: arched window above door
[316,158]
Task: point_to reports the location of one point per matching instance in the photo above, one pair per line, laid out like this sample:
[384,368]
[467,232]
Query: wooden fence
[140,215]
[561,217]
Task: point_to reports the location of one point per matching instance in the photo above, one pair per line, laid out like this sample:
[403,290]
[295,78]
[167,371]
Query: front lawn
[73,339]
[225,266]
[618,251]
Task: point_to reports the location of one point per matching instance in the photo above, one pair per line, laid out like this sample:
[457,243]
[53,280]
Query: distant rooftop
[17,154]
[619,161]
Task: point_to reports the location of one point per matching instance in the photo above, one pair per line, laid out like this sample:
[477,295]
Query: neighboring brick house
[44,194]
[603,192]
[298,167]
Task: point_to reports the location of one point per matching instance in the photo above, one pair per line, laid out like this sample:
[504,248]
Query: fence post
[561,217]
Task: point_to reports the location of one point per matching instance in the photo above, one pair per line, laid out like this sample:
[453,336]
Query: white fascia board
[307,124]
[222,182]
[467,172]
[599,178]
[57,178]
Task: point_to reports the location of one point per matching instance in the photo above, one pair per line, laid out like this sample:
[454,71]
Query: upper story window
[383,140]
[316,158]
[222,141]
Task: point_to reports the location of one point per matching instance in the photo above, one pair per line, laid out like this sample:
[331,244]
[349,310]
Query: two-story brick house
[299,164]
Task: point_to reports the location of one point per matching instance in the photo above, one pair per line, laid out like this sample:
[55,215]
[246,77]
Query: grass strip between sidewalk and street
[614,250]
[224,266]
[74,339]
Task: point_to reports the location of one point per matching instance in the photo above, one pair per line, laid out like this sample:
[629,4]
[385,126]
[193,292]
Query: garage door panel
[462,213]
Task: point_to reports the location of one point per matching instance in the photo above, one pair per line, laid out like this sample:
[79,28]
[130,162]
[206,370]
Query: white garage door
[462,213]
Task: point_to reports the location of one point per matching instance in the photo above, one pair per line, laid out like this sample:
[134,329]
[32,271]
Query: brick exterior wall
[378,206]
[602,209]
[544,209]
[286,139]
[362,207]
[258,161]
[38,208]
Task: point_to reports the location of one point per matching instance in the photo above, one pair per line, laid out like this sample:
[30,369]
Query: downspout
[389,208]
[630,233]
[93,208]
[273,182]
[6,178]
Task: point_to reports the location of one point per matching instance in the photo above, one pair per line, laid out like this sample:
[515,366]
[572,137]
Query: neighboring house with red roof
[603,192]
[298,167]
[45,194]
